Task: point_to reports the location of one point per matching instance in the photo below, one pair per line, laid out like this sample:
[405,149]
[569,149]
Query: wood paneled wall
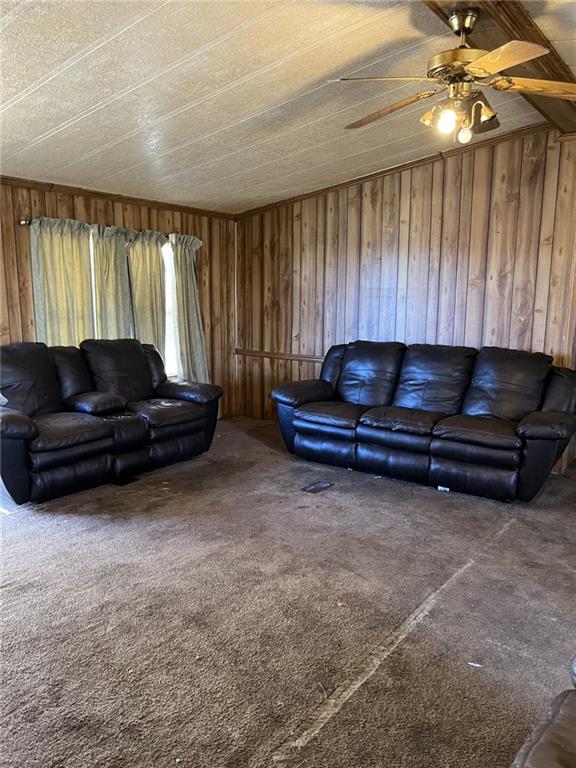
[477,247]
[216,264]
[474,248]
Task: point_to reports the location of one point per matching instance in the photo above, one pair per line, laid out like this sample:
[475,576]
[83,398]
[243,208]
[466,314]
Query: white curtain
[62,286]
[146,266]
[114,313]
[192,348]
[108,283]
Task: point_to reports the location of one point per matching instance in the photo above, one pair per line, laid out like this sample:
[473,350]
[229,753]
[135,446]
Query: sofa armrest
[96,403]
[15,425]
[299,392]
[192,391]
[547,425]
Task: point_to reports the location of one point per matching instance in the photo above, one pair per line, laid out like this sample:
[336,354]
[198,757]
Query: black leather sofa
[552,744]
[80,417]
[491,422]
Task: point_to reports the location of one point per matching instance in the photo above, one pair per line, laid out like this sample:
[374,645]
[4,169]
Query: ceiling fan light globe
[447,121]
[464,135]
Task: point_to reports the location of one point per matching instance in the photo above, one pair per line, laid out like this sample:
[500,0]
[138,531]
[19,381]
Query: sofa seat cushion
[478,430]
[61,430]
[177,430]
[162,412]
[334,413]
[130,430]
[397,419]
[65,457]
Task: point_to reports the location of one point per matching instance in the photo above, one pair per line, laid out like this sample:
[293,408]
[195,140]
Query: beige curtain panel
[61,276]
[146,266]
[92,281]
[192,349]
[114,315]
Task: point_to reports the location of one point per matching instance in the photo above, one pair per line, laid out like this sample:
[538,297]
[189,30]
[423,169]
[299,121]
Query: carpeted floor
[212,615]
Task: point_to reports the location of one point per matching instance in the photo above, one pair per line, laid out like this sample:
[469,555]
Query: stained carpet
[213,615]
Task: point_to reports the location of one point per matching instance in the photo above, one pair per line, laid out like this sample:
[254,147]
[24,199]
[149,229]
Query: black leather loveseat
[491,422]
[79,417]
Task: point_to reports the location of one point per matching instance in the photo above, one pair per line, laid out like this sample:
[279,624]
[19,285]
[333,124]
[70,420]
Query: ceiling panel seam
[227,88]
[411,111]
[185,108]
[276,136]
[161,73]
[71,62]
[279,178]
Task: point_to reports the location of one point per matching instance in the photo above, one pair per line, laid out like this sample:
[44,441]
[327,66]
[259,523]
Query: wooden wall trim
[44,186]
[279,356]
[461,149]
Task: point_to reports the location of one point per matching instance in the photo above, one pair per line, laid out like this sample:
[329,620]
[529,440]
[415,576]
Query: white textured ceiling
[218,104]
[557,19]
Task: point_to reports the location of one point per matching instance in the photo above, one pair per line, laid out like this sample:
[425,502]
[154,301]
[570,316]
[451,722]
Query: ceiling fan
[465,110]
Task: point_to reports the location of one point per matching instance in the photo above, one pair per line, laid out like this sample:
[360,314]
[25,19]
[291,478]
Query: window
[172,345]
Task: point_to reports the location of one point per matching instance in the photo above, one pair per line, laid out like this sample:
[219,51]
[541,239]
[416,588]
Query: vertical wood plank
[354,213]
[479,228]
[403,254]
[320,257]
[502,242]
[331,271]
[546,239]
[37,203]
[64,206]
[285,277]
[308,276]
[559,337]
[533,164]
[23,210]
[342,258]
[464,233]
[389,260]
[449,257]
[85,208]
[11,265]
[296,259]
[370,260]
[418,253]
[435,252]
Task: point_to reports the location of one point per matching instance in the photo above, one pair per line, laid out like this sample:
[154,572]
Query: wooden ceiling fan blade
[417,79]
[553,88]
[393,108]
[508,55]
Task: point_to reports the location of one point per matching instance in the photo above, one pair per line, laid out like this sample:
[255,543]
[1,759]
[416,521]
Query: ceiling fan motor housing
[450,64]
[463,21]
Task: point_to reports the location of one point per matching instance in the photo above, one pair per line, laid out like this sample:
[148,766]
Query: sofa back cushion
[507,383]
[119,366]
[435,378]
[369,372]
[28,379]
[72,370]
[561,391]
[332,365]
[156,364]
